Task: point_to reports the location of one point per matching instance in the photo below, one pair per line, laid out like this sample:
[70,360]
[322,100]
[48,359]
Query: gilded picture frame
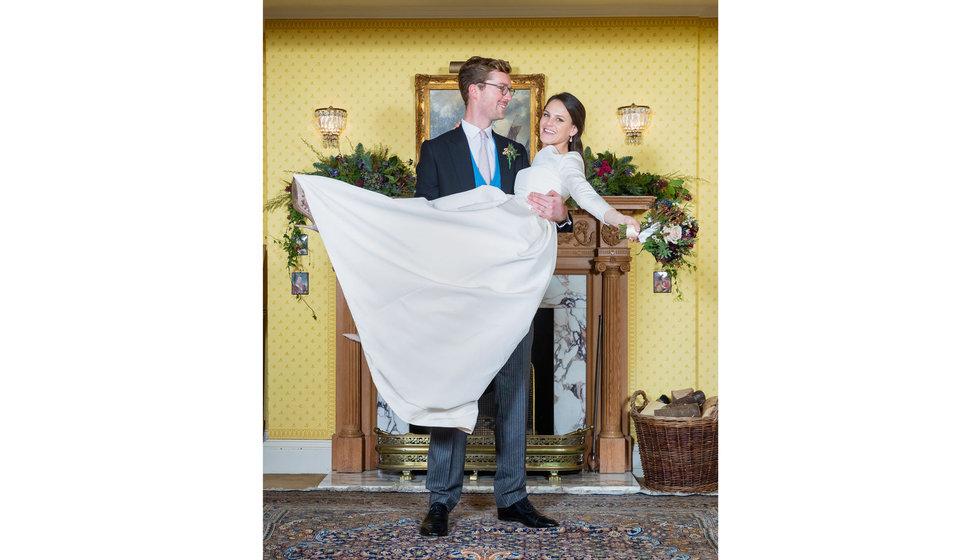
[439,108]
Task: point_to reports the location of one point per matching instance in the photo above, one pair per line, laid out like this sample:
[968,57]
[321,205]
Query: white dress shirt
[473,138]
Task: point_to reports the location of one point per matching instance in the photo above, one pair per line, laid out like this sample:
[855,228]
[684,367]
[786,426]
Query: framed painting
[302,244]
[439,108]
[661,282]
[300,283]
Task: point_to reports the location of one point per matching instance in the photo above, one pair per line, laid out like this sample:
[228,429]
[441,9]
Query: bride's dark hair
[577,111]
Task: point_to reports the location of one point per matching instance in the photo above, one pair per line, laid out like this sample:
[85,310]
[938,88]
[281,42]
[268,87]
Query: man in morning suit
[448,164]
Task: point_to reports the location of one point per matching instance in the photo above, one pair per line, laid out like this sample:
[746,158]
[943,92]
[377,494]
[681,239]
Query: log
[691,410]
[680,393]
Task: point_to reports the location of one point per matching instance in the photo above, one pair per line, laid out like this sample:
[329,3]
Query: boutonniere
[511,152]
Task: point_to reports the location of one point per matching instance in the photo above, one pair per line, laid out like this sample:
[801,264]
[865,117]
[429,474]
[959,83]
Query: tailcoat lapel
[460,156]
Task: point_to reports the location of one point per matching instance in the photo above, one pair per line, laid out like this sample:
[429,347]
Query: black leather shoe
[436,523]
[524,512]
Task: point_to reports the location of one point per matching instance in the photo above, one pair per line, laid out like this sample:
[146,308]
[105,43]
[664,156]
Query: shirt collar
[470,130]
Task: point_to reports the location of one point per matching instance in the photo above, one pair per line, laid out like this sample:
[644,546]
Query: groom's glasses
[504,90]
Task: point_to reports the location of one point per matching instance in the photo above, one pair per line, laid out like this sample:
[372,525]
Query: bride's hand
[616,218]
[550,206]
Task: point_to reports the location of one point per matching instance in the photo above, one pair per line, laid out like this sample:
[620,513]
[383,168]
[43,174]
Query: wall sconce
[331,122]
[634,119]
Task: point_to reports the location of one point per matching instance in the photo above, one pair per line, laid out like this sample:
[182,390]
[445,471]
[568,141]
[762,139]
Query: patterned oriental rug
[385,525]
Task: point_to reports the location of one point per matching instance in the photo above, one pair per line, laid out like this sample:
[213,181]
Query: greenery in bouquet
[376,170]
[668,233]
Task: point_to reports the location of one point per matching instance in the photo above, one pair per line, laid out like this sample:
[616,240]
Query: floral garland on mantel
[668,232]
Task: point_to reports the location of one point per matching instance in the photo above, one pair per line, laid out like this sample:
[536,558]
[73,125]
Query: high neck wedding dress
[442,291]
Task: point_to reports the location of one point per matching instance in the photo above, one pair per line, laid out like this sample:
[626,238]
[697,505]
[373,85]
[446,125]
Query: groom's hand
[549,206]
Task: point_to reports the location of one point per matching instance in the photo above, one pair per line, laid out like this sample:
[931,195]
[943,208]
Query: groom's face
[491,101]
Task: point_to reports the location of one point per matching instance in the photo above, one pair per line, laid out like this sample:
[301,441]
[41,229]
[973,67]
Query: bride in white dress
[446,290]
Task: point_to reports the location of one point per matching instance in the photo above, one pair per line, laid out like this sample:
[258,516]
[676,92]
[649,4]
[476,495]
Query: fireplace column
[348,442]
[614,448]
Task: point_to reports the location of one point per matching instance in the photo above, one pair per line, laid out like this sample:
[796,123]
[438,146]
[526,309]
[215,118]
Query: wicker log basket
[678,454]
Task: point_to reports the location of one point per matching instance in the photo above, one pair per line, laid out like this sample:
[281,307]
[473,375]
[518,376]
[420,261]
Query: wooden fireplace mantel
[591,249]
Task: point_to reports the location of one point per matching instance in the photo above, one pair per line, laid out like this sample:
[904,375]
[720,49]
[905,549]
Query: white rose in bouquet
[673,234]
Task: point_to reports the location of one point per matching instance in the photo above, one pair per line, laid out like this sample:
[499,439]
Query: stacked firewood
[683,403]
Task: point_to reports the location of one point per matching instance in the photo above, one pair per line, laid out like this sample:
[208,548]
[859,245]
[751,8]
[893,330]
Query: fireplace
[593,256]
[555,398]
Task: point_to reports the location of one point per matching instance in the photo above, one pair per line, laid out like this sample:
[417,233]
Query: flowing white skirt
[441,291]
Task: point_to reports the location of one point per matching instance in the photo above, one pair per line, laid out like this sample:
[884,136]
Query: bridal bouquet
[668,233]
[670,230]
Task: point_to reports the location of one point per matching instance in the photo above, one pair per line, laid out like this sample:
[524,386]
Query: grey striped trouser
[447,446]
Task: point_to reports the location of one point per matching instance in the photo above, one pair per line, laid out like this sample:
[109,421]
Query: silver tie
[483,161]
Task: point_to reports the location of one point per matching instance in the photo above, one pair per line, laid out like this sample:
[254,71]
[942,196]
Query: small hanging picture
[302,248]
[300,283]
[661,283]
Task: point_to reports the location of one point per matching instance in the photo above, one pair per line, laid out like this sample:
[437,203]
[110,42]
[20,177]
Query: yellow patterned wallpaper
[368,68]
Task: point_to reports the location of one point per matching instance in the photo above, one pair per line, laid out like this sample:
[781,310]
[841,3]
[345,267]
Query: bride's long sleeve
[572,173]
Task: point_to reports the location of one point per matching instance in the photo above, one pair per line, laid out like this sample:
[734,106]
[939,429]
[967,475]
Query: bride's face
[556,126]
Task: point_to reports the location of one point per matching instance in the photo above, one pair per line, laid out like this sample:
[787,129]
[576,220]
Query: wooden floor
[291,481]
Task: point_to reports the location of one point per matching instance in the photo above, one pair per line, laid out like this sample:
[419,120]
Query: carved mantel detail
[582,235]
[608,266]
[610,235]
[591,249]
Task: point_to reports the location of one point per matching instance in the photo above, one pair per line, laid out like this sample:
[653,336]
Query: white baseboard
[637,466]
[296,456]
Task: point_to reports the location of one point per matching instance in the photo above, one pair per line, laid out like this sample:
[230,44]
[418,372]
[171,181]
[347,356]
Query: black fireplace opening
[542,409]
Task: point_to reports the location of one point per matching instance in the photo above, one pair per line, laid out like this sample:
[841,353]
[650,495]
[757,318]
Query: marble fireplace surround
[593,250]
